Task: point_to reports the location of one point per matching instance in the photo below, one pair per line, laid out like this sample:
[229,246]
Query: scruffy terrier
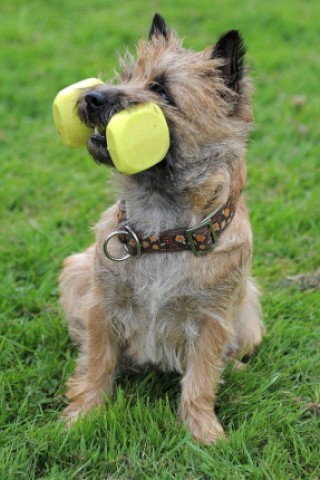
[184,299]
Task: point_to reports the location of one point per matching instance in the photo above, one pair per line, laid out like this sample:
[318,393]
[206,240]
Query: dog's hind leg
[248,325]
[74,282]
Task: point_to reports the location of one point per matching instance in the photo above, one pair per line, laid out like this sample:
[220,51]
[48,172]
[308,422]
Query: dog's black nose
[96,99]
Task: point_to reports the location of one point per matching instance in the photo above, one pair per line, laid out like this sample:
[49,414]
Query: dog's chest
[156,309]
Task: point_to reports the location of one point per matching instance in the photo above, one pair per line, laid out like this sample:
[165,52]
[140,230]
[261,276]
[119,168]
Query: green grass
[51,195]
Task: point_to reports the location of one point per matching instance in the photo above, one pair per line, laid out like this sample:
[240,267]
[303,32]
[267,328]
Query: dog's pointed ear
[159,27]
[230,48]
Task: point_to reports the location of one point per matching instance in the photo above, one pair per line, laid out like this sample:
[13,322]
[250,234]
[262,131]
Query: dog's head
[205,97]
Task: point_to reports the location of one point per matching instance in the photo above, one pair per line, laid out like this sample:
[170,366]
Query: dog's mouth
[98,118]
[98,148]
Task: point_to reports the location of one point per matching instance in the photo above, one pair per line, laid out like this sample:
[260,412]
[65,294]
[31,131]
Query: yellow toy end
[72,131]
[138,138]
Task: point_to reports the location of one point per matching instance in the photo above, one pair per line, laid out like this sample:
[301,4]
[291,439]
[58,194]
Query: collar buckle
[193,241]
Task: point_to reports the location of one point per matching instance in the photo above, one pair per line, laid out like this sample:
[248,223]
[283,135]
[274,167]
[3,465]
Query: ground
[49,197]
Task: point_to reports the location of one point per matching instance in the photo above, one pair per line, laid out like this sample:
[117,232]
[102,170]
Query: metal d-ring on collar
[128,232]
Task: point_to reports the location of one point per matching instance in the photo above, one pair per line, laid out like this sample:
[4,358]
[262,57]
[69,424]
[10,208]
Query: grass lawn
[49,197]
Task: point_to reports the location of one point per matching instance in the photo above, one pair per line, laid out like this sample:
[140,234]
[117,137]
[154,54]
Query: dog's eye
[161,91]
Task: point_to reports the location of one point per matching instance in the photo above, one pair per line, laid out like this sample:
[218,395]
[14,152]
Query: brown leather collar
[200,239]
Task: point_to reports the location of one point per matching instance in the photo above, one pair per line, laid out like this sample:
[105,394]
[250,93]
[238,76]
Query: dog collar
[200,239]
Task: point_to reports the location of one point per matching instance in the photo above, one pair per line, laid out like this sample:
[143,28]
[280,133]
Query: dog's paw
[206,429]
[71,414]
[82,403]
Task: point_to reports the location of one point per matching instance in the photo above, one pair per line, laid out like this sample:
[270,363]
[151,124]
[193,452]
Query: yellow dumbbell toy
[72,131]
[138,138]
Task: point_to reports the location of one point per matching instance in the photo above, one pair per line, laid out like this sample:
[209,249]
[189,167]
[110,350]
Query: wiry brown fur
[177,311]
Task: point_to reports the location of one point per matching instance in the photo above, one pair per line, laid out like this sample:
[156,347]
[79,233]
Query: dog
[184,299]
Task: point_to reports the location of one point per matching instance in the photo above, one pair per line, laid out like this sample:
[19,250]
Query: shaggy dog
[184,300]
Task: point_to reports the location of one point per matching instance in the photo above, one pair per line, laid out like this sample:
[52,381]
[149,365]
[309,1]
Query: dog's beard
[98,148]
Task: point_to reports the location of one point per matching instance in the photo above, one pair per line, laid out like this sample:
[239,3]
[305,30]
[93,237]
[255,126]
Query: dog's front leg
[94,378]
[201,378]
